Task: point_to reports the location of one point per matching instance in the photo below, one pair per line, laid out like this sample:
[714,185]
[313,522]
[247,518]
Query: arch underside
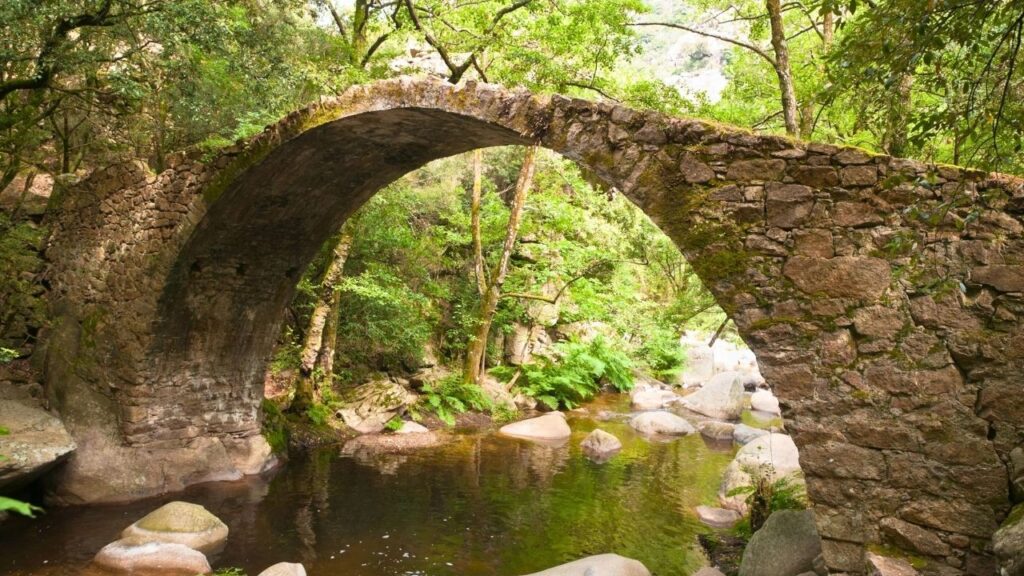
[902,391]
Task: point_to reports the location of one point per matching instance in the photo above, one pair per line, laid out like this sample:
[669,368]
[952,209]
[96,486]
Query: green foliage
[7,355]
[319,414]
[577,373]
[394,425]
[228,572]
[450,396]
[275,426]
[662,353]
[768,494]
[18,507]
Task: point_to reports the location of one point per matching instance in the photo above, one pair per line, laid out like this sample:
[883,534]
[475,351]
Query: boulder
[551,426]
[284,569]
[720,398]
[714,430]
[1017,474]
[1008,543]
[787,544]
[744,434]
[652,398]
[152,558]
[777,450]
[180,523]
[600,565]
[497,392]
[708,571]
[661,422]
[888,566]
[700,364]
[36,442]
[409,427]
[371,406]
[765,401]
[718,517]
[599,445]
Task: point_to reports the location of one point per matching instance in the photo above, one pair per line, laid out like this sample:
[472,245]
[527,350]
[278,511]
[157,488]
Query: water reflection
[474,505]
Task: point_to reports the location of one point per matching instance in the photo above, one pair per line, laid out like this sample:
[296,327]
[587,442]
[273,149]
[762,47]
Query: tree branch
[733,41]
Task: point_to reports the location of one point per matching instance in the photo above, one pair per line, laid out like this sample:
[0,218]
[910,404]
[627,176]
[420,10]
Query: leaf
[18,507]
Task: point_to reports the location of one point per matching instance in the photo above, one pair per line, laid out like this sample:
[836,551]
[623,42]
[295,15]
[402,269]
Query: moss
[917,562]
[1016,516]
[275,426]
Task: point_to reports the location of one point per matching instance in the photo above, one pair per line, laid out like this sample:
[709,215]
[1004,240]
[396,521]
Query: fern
[577,375]
[449,397]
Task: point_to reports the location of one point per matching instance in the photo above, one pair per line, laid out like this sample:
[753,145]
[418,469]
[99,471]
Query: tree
[768,17]
[490,282]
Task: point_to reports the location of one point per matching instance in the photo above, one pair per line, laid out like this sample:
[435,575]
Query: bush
[577,374]
[663,354]
[766,495]
[450,396]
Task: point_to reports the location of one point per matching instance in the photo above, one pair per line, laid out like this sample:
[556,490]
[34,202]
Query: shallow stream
[479,505]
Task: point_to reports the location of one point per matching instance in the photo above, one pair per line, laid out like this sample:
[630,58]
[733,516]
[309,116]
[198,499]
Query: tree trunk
[895,140]
[477,348]
[790,109]
[321,336]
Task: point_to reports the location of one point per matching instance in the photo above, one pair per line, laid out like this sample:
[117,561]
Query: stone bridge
[882,297]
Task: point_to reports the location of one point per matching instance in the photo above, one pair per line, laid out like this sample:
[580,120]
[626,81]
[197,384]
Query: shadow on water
[479,505]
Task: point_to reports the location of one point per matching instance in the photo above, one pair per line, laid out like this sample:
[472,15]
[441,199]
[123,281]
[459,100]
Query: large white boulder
[36,442]
[146,558]
[765,401]
[774,455]
[180,523]
[661,422]
[370,407]
[700,364]
[720,398]
[600,565]
[652,398]
[551,426]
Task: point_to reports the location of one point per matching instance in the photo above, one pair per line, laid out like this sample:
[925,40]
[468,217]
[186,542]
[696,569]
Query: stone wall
[881,296]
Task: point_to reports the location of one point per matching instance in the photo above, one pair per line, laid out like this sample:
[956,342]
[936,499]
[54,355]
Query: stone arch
[882,297]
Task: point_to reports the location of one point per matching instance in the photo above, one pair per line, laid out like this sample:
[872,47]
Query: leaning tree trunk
[783,69]
[317,358]
[477,348]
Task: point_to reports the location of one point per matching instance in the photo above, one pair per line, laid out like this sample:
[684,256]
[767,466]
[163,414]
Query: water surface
[480,505]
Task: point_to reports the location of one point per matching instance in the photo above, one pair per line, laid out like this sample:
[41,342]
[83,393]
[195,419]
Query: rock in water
[721,397]
[661,422]
[743,434]
[600,565]
[777,450]
[284,569]
[600,446]
[787,544]
[700,365]
[180,523]
[37,441]
[547,427]
[708,571]
[652,398]
[765,401]
[715,430]
[718,517]
[371,406]
[152,558]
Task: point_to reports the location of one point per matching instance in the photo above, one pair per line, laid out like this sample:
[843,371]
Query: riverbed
[478,505]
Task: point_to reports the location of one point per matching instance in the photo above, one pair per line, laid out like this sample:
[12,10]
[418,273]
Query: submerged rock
[652,398]
[715,430]
[786,545]
[600,565]
[180,523]
[600,446]
[744,434]
[152,558]
[721,397]
[661,422]
[549,427]
[284,569]
[36,442]
[718,517]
